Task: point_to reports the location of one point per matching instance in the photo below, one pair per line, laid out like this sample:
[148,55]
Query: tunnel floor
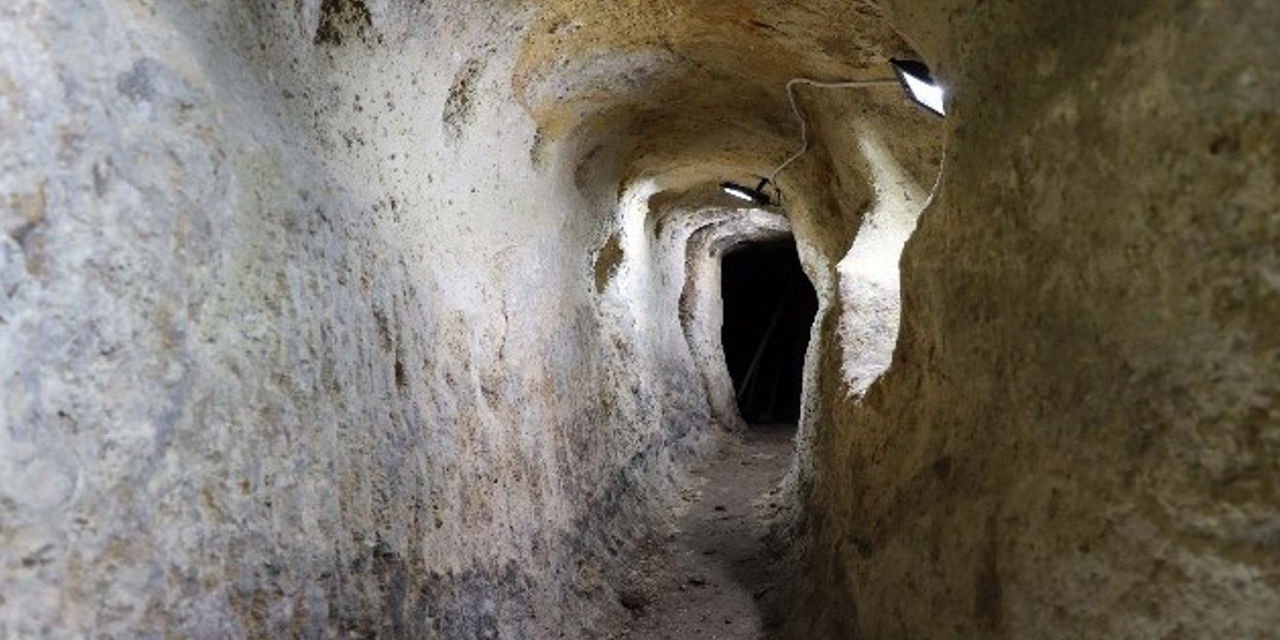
[716,577]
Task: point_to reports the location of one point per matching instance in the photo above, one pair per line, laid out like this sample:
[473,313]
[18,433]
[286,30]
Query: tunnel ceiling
[690,92]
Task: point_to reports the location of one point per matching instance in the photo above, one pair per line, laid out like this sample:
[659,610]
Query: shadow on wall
[769,307]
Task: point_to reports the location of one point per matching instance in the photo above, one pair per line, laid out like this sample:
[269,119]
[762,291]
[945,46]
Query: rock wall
[299,334]
[703,238]
[1079,434]
[382,317]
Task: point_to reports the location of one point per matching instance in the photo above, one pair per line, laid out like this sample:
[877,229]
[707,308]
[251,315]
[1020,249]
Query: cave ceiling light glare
[920,85]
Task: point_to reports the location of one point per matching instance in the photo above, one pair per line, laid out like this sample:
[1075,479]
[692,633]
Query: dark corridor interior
[769,306]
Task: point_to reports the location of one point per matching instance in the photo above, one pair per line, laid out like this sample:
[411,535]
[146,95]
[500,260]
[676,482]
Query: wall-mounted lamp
[920,86]
[756,195]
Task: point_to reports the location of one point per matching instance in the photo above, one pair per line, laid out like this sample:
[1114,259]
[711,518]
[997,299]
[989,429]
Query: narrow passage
[715,578]
[769,306]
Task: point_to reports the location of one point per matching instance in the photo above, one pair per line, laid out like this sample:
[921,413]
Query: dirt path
[714,578]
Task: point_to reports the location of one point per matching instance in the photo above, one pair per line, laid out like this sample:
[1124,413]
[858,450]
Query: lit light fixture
[756,195]
[920,85]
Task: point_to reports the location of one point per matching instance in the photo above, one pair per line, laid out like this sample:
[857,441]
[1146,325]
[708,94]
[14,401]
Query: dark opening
[769,306]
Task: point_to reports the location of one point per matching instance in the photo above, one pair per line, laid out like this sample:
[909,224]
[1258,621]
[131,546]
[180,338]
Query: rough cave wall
[298,333]
[304,326]
[855,198]
[705,237]
[1079,435]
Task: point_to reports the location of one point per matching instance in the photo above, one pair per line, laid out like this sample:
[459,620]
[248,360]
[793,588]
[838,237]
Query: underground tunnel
[403,319]
[769,306]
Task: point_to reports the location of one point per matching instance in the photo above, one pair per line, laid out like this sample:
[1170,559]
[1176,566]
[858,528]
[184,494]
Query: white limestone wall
[298,334]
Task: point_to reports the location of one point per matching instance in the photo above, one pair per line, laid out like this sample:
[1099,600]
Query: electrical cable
[804,125]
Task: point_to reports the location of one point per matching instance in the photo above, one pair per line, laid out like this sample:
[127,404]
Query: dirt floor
[715,578]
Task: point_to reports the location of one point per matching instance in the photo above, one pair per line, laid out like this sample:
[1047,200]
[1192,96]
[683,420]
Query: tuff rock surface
[401,319]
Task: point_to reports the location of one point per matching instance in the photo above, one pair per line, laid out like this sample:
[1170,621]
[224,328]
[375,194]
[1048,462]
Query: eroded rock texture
[1078,435]
[382,317]
[297,340]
